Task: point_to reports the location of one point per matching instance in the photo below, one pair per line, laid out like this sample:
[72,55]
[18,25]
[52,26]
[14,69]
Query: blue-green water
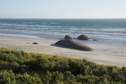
[104,30]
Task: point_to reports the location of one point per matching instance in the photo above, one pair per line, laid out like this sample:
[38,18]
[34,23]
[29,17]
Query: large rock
[67,37]
[83,37]
[73,45]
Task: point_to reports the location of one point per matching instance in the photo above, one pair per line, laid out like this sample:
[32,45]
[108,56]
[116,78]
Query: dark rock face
[68,37]
[34,43]
[73,45]
[83,37]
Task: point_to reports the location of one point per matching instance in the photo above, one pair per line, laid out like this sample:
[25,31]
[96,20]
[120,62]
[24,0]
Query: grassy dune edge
[19,67]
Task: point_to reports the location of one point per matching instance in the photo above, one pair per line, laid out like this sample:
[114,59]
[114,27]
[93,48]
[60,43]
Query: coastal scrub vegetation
[19,67]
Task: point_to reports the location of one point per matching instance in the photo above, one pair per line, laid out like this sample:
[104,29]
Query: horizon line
[62,18]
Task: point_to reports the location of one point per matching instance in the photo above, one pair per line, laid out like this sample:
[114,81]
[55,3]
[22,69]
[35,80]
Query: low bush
[19,67]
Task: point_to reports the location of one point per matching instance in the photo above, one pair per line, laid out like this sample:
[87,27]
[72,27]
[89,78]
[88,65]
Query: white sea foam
[18,35]
[102,30]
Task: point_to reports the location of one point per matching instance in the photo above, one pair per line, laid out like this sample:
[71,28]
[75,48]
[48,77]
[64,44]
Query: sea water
[109,31]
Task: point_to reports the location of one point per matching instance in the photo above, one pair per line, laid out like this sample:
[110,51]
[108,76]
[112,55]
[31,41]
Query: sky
[62,8]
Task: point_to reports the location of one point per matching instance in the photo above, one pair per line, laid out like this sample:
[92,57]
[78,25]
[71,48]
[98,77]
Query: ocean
[108,31]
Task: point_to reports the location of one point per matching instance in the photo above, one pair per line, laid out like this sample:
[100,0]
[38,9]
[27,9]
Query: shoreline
[103,54]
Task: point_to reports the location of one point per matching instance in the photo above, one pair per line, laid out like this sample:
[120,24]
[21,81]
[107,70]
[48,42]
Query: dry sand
[103,54]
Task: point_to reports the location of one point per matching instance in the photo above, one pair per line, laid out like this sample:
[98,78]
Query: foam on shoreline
[19,35]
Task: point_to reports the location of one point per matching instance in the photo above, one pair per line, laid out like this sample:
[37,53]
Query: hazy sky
[62,8]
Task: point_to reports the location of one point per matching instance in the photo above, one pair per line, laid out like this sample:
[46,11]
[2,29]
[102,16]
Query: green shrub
[39,64]
[19,67]
[7,77]
[27,79]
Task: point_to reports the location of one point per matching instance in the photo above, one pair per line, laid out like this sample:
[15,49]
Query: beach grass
[18,67]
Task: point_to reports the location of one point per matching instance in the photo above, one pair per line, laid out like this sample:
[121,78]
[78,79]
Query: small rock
[68,37]
[34,43]
[94,39]
[83,37]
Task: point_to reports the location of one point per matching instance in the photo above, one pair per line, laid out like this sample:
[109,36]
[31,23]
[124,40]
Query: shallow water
[108,31]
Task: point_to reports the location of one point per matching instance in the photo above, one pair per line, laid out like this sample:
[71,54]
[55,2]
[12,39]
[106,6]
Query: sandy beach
[102,54]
